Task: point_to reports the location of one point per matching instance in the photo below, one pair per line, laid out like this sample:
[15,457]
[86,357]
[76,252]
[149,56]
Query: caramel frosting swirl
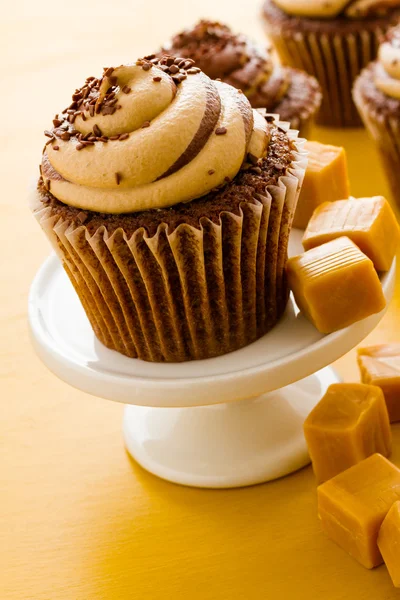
[327,9]
[387,69]
[150,135]
[234,59]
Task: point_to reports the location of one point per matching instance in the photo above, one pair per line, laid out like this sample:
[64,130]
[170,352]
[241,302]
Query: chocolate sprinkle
[118,178]
[97,130]
[157,79]
[221,131]
[146,124]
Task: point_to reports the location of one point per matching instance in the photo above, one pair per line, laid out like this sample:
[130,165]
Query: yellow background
[78,519]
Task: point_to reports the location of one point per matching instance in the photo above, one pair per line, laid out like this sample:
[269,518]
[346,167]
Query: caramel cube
[380,365]
[353,505]
[389,542]
[335,285]
[369,222]
[349,424]
[326,180]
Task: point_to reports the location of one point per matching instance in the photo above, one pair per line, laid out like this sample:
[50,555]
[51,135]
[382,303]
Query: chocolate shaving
[108,110]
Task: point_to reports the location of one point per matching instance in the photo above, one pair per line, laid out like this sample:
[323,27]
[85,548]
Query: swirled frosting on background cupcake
[233,58]
[328,9]
[150,135]
[387,70]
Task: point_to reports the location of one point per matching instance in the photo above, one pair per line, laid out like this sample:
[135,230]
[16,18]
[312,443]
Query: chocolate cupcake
[169,202]
[333,41]
[236,60]
[377,96]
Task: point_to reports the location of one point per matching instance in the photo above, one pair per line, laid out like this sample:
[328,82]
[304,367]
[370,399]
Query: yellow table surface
[78,519]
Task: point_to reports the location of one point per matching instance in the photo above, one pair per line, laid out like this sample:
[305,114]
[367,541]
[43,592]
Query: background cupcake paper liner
[386,133]
[335,60]
[191,293]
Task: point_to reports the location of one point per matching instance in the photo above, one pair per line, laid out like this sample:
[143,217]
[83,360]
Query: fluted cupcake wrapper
[335,60]
[386,133]
[190,293]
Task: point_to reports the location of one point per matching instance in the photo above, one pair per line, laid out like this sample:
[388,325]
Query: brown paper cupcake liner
[335,60]
[385,130]
[185,294]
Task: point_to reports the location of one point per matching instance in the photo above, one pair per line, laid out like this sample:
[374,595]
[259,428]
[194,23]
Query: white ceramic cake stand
[229,421]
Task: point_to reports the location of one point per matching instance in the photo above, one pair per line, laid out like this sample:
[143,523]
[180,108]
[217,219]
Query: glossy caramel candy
[349,424]
[389,542]
[353,505]
[380,365]
[326,180]
[335,285]
[369,222]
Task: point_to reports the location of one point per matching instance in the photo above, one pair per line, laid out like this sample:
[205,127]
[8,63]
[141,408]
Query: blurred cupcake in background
[169,201]
[377,96]
[332,40]
[236,60]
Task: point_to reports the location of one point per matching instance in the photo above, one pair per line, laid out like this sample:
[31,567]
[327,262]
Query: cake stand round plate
[228,421]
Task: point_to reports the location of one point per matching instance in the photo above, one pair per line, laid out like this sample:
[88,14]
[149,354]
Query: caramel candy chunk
[389,542]
[353,505]
[326,180]
[349,424]
[380,365]
[369,222]
[335,285]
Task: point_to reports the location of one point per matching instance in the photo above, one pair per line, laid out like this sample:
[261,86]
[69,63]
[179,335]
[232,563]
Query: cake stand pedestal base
[227,445]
